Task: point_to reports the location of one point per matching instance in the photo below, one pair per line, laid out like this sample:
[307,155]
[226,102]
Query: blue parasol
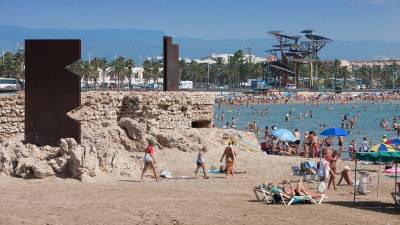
[284,135]
[334,132]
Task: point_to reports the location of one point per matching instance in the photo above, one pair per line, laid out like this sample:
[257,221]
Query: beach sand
[124,200]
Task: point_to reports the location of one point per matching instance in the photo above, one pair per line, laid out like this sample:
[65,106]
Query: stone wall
[98,107]
[12,111]
[165,110]
[169,110]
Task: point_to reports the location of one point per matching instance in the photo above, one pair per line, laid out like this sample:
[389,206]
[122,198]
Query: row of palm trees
[233,74]
[118,70]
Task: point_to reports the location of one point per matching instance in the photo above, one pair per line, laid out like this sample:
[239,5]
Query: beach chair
[296,171]
[396,197]
[285,199]
[266,195]
[302,199]
[308,170]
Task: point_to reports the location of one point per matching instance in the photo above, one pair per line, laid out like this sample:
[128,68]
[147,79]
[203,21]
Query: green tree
[129,65]
[101,63]
[119,70]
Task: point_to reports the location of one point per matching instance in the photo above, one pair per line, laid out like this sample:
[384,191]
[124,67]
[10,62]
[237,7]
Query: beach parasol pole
[355,181]
[395,187]
[377,189]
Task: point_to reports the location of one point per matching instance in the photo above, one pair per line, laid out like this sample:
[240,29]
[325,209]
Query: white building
[373,63]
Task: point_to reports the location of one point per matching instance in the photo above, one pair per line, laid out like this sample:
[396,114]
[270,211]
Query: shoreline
[309,102]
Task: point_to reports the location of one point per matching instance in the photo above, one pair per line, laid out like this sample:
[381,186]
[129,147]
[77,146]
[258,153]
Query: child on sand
[201,163]
[149,160]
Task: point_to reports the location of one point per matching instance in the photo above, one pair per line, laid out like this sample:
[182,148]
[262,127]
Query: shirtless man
[314,144]
[297,135]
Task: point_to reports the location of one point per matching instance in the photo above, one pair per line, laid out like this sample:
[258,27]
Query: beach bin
[362,186]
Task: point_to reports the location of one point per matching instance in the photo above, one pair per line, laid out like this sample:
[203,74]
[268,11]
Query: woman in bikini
[230,159]
[332,172]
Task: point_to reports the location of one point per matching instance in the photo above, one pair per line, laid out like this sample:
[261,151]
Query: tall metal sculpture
[170,55]
[293,53]
[314,44]
[51,91]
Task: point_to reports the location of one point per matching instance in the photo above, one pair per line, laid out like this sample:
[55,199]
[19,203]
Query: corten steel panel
[171,74]
[51,91]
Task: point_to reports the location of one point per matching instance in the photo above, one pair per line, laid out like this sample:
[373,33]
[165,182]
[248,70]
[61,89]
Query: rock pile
[102,152]
[116,128]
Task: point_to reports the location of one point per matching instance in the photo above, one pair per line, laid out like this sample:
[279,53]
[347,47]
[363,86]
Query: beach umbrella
[382,148]
[393,142]
[334,132]
[284,135]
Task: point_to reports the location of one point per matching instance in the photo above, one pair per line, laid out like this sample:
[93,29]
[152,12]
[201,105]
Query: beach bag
[321,187]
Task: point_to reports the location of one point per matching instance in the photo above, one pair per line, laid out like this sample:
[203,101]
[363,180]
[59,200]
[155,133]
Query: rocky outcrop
[69,159]
[133,128]
[116,128]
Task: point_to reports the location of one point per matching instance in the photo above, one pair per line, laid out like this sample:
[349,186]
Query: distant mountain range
[140,44]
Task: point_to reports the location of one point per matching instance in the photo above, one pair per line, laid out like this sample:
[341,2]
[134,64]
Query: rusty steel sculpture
[51,91]
[295,50]
[170,57]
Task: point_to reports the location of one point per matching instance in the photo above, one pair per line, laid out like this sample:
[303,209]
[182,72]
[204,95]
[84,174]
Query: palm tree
[129,65]
[101,63]
[8,65]
[19,65]
[147,70]
[119,70]
[79,68]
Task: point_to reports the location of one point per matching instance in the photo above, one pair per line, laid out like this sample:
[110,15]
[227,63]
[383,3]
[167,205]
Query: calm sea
[330,115]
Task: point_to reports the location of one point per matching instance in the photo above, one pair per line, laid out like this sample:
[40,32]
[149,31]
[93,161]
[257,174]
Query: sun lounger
[396,197]
[296,171]
[266,195]
[285,198]
[302,199]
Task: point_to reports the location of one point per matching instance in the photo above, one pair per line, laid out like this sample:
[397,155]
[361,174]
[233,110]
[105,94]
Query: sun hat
[346,168]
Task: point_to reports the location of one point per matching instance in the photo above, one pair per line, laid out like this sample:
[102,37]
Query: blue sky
[214,19]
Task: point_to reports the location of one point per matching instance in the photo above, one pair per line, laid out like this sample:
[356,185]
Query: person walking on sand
[332,171]
[297,135]
[230,159]
[201,163]
[149,160]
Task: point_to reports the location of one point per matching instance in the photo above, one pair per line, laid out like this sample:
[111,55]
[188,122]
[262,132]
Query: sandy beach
[124,200]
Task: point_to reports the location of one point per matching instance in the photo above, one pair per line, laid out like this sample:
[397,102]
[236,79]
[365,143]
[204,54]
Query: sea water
[324,116]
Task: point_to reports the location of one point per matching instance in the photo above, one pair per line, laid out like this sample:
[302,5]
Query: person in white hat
[346,176]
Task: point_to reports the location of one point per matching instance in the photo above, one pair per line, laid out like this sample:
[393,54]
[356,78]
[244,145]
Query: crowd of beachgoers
[306,97]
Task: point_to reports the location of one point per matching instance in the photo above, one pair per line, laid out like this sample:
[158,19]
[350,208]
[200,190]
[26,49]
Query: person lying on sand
[299,190]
